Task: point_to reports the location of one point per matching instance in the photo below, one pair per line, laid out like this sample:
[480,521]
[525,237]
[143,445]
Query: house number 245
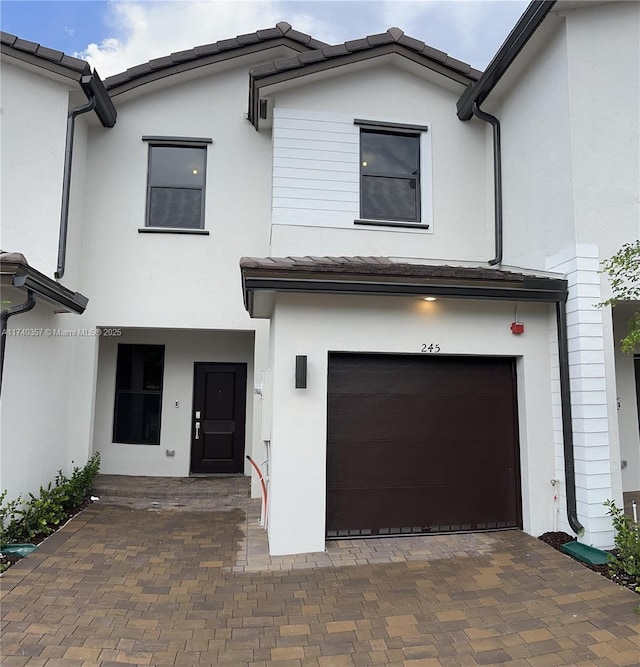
[430,347]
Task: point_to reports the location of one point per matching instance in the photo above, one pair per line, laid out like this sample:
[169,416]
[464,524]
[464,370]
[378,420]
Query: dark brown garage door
[421,444]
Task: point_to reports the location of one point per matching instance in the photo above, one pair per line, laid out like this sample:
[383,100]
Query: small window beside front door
[138,400]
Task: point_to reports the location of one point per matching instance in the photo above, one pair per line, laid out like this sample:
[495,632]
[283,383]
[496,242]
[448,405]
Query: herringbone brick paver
[188,581]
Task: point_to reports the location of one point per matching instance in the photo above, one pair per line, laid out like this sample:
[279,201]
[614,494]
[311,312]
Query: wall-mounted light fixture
[262,111]
[301,371]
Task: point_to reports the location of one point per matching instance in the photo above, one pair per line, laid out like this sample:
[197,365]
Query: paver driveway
[164,585]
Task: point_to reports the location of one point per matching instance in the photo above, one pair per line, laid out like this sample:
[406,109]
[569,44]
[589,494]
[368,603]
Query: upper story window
[389,176]
[176,183]
[390,166]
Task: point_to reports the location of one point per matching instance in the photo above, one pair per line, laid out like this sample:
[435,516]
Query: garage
[421,444]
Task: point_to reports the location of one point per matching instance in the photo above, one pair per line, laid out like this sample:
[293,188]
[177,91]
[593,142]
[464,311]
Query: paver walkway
[172,582]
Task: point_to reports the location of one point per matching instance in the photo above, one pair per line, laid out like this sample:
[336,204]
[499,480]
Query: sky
[116,34]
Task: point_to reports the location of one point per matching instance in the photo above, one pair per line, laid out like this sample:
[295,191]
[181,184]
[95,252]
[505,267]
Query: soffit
[384,276]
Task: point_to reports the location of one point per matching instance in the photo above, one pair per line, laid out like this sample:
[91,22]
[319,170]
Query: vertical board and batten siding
[316,173]
[316,169]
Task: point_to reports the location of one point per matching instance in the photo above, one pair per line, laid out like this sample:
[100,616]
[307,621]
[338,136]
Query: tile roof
[29,50]
[391,36]
[190,58]
[374,266]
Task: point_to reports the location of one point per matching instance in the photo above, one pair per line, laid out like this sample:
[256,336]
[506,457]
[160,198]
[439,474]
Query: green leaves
[627,541]
[623,270]
[23,519]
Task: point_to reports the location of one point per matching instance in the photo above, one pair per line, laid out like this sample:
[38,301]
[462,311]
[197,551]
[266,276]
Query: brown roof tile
[16,46]
[379,266]
[311,56]
[208,49]
[286,63]
[282,29]
[412,43]
[228,44]
[26,46]
[336,50]
[248,38]
[391,36]
[380,38]
[357,44]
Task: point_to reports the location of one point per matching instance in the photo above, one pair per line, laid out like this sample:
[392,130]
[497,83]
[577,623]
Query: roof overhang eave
[258,82]
[26,278]
[522,32]
[530,288]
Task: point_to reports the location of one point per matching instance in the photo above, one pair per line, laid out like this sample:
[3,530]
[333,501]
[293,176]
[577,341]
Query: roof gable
[393,41]
[200,56]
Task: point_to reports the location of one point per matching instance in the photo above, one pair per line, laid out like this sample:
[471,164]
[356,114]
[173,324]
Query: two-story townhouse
[418,325]
[486,429]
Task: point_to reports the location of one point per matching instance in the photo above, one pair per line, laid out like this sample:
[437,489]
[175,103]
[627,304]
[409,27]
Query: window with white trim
[390,172]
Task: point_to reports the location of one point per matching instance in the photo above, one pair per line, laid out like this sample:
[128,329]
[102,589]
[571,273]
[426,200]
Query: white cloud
[139,31]
[470,30]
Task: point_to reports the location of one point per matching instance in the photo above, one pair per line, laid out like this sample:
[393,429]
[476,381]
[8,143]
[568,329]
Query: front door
[218,424]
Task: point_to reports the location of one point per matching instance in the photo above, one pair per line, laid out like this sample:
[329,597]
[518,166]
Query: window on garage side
[389,175]
[176,186]
[138,400]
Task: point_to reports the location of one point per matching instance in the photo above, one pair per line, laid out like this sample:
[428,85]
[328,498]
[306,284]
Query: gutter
[5,314]
[567,420]
[497,179]
[99,101]
[24,277]
[38,288]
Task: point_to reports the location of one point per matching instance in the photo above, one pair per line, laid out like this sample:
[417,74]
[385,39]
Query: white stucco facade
[320,325]
[287,184]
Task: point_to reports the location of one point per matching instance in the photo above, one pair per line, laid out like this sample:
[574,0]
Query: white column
[589,399]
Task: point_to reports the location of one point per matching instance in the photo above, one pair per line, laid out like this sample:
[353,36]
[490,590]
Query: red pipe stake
[261,478]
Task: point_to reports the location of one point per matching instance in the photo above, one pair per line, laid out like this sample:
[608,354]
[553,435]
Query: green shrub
[627,541]
[21,520]
[8,519]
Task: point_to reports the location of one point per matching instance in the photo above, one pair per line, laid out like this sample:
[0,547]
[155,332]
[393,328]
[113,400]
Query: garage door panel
[380,417]
[421,444]
[446,375]
[422,509]
[411,463]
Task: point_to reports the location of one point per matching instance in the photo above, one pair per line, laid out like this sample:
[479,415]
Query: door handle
[197,430]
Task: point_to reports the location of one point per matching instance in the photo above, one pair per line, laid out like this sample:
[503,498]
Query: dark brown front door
[421,444]
[218,424]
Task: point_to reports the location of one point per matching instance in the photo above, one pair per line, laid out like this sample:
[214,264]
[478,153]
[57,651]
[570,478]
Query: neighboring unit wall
[628,386]
[35,401]
[34,113]
[182,350]
[536,159]
[603,47]
[315,325]
[316,157]
[571,187]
